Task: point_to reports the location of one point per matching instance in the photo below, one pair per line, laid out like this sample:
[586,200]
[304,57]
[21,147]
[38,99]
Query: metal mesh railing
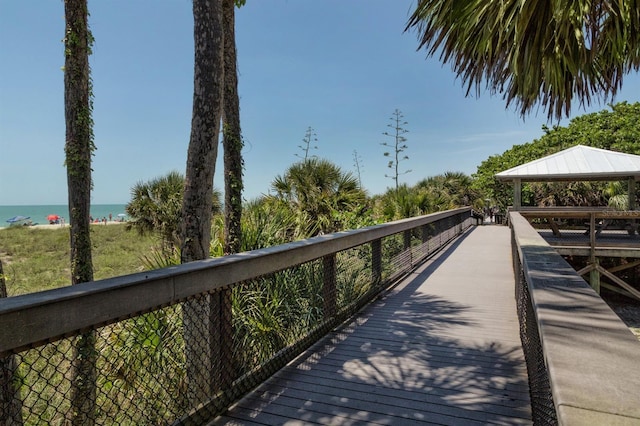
[188,361]
[137,366]
[543,411]
[570,337]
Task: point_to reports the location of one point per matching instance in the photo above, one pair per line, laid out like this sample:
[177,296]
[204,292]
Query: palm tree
[459,188]
[205,126]
[155,206]
[534,51]
[195,229]
[318,190]
[79,148]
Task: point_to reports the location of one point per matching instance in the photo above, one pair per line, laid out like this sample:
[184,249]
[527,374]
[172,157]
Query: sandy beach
[66,225]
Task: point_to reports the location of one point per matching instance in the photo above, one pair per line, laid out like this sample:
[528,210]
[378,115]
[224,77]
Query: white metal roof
[577,163]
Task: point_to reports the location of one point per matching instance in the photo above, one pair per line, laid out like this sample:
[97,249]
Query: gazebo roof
[578,163]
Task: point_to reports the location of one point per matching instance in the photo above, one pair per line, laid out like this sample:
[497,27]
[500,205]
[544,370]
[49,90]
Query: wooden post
[407,246]
[10,403]
[594,275]
[631,193]
[376,262]
[592,233]
[517,194]
[329,285]
[221,342]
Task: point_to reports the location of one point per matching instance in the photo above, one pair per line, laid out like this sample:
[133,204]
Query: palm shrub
[272,312]
[354,275]
[405,202]
[617,195]
[568,194]
[156,207]
[316,189]
[268,222]
[142,368]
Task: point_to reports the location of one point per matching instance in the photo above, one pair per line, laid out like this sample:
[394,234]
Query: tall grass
[38,259]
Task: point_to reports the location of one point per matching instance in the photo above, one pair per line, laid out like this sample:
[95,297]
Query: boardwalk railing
[180,344]
[582,360]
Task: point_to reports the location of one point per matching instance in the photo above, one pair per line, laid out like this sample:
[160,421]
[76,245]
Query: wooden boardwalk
[440,348]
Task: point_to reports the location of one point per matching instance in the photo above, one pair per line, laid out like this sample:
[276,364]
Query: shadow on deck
[441,347]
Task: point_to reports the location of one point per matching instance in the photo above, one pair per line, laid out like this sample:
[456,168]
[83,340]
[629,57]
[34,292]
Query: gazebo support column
[594,276]
[517,194]
[631,193]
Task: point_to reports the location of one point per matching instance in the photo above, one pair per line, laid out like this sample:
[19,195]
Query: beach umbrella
[17,219]
[53,217]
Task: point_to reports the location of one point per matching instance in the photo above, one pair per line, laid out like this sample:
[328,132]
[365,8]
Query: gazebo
[578,163]
[583,163]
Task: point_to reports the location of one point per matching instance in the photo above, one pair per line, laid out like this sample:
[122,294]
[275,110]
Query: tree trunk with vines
[232,141]
[79,150]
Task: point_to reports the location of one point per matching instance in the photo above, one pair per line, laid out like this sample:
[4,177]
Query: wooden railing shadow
[432,378]
[401,360]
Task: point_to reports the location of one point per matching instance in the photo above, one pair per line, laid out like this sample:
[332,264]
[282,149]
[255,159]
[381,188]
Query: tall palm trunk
[232,141]
[208,79]
[78,148]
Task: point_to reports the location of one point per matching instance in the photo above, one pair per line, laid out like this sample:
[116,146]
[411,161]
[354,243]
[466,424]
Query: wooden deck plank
[442,347]
[323,374]
[419,402]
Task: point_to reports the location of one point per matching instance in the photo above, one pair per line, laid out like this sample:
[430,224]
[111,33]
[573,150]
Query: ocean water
[38,214]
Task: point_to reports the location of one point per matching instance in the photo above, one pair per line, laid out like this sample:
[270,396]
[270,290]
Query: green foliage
[267,223]
[534,51]
[273,312]
[616,130]
[436,193]
[319,192]
[38,259]
[156,207]
[150,369]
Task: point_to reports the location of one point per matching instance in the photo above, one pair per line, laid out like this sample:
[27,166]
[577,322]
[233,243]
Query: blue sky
[340,67]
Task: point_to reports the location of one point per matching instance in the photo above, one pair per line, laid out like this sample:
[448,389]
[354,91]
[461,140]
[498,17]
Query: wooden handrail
[590,355]
[36,317]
